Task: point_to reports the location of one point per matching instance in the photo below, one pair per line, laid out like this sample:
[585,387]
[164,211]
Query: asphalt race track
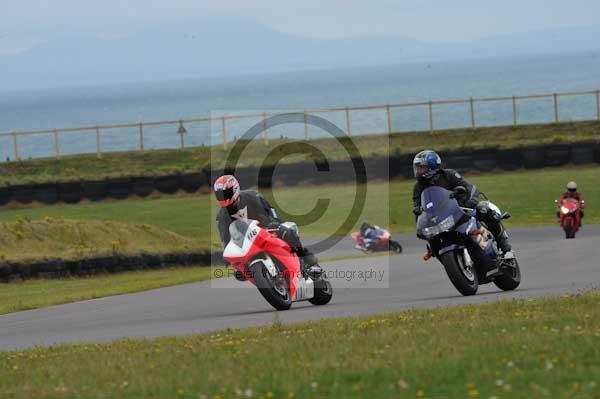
[550,265]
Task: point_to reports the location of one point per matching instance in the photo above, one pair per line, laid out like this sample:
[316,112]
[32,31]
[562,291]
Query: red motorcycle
[269,263]
[383,242]
[569,211]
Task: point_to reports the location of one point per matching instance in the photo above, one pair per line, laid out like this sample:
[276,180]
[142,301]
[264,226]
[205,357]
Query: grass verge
[55,237]
[34,294]
[511,349]
[528,195]
[160,162]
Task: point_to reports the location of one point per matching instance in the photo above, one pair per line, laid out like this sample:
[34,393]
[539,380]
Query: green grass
[528,195]
[51,237]
[34,294]
[159,162]
[511,349]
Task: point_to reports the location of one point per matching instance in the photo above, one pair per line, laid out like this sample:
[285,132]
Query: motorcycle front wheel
[462,276]
[274,289]
[569,230]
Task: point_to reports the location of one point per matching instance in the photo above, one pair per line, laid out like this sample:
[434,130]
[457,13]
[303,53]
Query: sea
[60,108]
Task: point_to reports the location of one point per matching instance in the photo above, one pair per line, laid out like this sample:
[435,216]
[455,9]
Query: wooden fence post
[15,146]
[514,106]
[141,136]
[555,97]
[56,144]
[305,126]
[430,116]
[348,131]
[598,104]
[265,131]
[98,142]
[224,132]
[472,113]
[389,118]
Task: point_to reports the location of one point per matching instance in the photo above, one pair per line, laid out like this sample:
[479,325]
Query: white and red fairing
[257,244]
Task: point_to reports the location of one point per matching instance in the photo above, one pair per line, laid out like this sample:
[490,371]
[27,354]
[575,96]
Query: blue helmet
[426,164]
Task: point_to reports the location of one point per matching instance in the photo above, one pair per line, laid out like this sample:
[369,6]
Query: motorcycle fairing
[249,240]
[438,206]
[569,205]
[242,236]
[440,214]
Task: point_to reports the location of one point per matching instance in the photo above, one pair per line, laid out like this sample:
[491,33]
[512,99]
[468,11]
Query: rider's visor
[223,195]
[420,170]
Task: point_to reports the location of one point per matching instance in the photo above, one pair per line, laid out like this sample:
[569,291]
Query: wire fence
[355,120]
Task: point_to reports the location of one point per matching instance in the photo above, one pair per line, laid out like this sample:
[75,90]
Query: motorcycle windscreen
[437,206]
[237,231]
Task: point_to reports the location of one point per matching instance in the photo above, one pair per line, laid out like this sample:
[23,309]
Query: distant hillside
[235,46]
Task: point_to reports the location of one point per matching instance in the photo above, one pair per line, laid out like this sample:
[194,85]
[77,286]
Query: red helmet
[227,190]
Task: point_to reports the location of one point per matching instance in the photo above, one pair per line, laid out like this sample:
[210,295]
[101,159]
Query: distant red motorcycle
[383,242]
[569,210]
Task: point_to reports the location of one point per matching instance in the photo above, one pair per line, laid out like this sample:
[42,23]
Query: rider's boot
[309,263]
[503,244]
[501,238]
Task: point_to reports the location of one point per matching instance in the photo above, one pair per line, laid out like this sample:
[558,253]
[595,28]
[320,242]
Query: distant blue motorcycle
[463,244]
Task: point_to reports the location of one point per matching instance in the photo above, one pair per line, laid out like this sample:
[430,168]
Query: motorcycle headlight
[564,210]
[443,226]
[429,232]
[447,223]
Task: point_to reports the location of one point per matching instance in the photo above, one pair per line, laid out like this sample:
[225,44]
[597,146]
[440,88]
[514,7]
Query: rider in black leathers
[428,171]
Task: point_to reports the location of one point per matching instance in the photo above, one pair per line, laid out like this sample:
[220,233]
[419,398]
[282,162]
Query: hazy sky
[25,22]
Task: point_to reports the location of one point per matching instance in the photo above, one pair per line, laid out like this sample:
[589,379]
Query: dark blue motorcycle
[463,244]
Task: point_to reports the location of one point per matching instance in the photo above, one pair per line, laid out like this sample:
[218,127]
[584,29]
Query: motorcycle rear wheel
[395,247]
[323,292]
[462,277]
[275,290]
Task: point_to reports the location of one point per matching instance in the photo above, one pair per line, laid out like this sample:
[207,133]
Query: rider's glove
[417,210]
[273,225]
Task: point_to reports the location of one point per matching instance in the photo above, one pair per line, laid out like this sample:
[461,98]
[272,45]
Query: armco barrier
[70,192]
[168,184]
[582,154]
[57,268]
[395,166]
[45,193]
[24,193]
[119,188]
[95,190]
[533,157]
[485,160]
[597,153]
[191,182]
[142,186]
[510,159]
[5,195]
